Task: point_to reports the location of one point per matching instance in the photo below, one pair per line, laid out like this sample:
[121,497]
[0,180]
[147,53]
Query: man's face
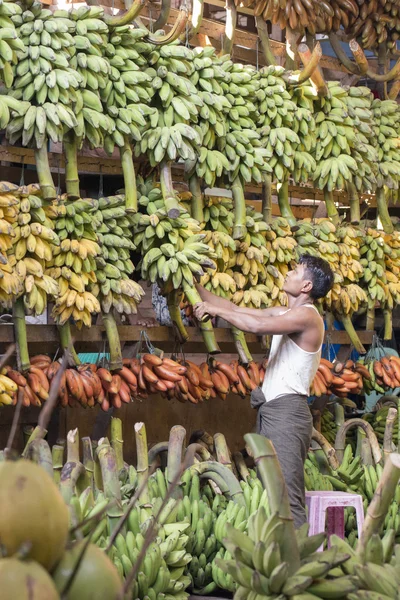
[296,282]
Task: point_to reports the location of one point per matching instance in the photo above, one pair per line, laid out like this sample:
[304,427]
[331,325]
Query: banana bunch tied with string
[10,282]
[44,77]
[212,162]
[359,103]
[74,262]
[336,137]
[173,250]
[286,128]
[387,126]
[90,37]
[128,92]
[171,134]
[11,46]
[34,245]
[114,229]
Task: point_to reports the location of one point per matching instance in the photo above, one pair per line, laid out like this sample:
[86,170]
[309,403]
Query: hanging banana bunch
[12,47]
[10,281]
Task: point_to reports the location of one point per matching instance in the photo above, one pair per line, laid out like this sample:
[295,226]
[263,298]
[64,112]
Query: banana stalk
[205,326]
[351,332]
[198,449]
[241,346]
[354,201]
[388,326]
[37,433]
[310,61]
[241,466]
[388,435]
[235,491]
[370,322]
[267,199]
[380,504]
[73,472]
[111,328]
[98,481]
[142,466]
[230,27]
[57,454]
[292,39]
[71,165]
[156,450]
[283,201]
[112,488]
[173,301]
[342,56]
[88,462]
[163,16]
[339,414]
[262,30]
[20,335]
[330,207]
[329,451]
[40,453]
[196,18]
[239,227]
[196,207]
[73,446]
[340,441]
[176,31]
[168,192]
[117,444]
[128,170]
[273,481]
[128,16]
[222,450]
[176,442]
[67,344]
[383,211]
[44,174]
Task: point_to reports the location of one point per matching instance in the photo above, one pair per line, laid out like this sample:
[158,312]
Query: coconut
[96,578]
[25,580]
[33,513]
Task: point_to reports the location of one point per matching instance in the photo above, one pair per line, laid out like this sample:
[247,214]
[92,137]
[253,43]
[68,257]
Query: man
[283,413]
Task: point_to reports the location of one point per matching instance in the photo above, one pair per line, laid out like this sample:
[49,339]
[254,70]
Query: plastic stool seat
[331,505]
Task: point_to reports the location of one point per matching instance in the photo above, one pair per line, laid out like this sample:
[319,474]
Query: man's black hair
[320,273]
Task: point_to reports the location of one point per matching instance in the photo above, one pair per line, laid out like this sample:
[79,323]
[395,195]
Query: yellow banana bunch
[10,282]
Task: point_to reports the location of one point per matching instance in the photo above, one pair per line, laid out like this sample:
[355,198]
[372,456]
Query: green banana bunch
[304,125]
[386,127]
[372,250]
[11,108]
[43,76]
[114,287]
[34,243]
[11,46]
[73,265]
[328,426]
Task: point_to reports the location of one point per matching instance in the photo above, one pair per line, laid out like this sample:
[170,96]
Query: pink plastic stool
[319,503]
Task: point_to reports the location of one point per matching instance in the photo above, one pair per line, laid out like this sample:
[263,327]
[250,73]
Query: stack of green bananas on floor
[259,571]
[128,92]
[90,39]
[44,76]
[328,426]
[11,46]
[335,134]
[387,123]
[281,123]
[114,230]
[33,249]
[377,421]
[177,101]
[313,478]
[172,249]
[359,103]
[73,265]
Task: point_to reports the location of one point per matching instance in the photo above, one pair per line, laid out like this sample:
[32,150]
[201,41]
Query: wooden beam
[45,338]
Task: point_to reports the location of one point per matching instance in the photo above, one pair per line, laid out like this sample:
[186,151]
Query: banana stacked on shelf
[73,265]
[114,230]
[44,76]
[11,46]
[33,249]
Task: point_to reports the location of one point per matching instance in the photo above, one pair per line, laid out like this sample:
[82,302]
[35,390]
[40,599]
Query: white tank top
[290,369]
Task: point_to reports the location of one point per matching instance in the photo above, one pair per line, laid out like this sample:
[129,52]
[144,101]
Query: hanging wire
[101,184]
[187,34]
[257,47]
[22,179]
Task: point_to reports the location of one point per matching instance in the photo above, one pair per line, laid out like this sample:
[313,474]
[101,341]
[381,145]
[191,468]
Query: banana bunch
[74,262]
[306,13]
[90,36]
[173,250]
[328,426]
[114,287]
[170,134]
[10,282]
[313,478]
[335,134]
[44,76]
[392,265]
[218,214]
[34,245]
[372,251]
[220,284]
[377,421]
[286,125]
[258,569]
[387,123]
[10,108]
[377,23]
[129,91]
[11,46]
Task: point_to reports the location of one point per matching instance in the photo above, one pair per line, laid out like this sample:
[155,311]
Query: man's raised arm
[213,299]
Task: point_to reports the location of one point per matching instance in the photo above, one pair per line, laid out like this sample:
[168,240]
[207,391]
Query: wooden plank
[46,338]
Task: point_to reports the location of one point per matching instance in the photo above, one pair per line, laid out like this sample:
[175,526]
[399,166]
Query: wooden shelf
[44,338]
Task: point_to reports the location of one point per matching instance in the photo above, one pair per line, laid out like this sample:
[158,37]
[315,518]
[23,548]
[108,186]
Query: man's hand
[204,308]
